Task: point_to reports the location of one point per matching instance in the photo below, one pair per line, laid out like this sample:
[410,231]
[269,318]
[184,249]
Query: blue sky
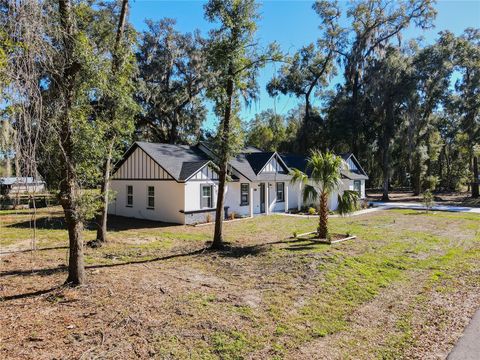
[292,24]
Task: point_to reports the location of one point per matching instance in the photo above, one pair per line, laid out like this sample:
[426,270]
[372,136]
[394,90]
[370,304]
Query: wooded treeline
[79,84]
[410,112]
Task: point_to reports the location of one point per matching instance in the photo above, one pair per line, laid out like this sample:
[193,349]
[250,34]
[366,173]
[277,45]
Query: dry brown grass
[404,289]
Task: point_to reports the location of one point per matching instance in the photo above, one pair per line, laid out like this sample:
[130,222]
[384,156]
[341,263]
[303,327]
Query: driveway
[420,206]
[468,346]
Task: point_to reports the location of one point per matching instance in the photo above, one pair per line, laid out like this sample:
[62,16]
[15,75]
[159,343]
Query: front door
[262,198]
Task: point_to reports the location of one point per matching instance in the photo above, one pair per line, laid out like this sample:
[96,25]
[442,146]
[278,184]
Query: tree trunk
[8,166]
[417,183]
[68,187]
[68,198]
[388,133]
[217,243]
[102,217]
[416,175]
[475,183]
[355,115]
[119,35]
[323,217]
[385,167]
[222,178]
[76,267]
[173,133]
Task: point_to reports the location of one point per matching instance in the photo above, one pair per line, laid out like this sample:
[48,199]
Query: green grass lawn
[403,289]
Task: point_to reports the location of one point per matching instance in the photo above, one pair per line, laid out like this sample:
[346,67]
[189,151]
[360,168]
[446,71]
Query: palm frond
[347,202]
[310,194]
[298,177]
[325,170]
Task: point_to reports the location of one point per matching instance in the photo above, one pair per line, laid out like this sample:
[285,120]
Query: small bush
[295,233]
[312,211]
[428,200]
[430,182]
[363,204]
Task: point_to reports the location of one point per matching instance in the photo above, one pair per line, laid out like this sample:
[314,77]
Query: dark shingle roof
[241,164]
[251,149]
[180,161]
[295,161]
[190,168]
[257,160]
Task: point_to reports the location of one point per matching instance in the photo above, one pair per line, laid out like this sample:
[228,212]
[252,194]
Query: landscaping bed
[332,238]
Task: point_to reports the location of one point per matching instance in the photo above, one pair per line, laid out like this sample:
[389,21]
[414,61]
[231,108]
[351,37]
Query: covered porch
[267,197]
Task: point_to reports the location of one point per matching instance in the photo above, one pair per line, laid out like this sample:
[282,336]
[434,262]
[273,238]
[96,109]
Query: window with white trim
[129,195]
[206,196]
[357,186]
[150,197]
[280,192]
[244,194]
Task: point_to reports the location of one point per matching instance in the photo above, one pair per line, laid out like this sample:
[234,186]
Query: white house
[178,183]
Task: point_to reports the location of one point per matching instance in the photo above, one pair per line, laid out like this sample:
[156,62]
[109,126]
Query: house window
[129,195]
[357,186]
[150,197]
[244,194]
[206,196]
[280,192]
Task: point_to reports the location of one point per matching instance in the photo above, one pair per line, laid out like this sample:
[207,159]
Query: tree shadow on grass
[121,223]
[305,245]
[30,250]
[232,251]
[243,251]
[229,251]
[43,223]
[29,295]
[115,223]
[50,271]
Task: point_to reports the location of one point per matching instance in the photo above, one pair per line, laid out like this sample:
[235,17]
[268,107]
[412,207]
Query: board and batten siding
[140,166]
[205,176]
[206,173]
[351,164]
[272,166]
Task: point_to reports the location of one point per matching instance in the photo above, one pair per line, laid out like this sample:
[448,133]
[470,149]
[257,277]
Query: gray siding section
[140,166]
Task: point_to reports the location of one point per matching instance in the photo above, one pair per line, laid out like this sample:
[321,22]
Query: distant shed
[15,185]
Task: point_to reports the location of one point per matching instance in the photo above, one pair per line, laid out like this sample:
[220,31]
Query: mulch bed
[334,238]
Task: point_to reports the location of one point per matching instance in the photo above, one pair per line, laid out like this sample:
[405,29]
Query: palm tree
[324,179]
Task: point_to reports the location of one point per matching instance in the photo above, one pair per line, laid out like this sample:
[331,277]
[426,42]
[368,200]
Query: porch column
[299,197]
[267,198]
[251,199]
[286,197]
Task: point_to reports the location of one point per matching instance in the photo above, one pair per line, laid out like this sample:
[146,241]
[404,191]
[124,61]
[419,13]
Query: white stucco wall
[192,193]
[293,193]
[346,185]
[169,200]
[232,198]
